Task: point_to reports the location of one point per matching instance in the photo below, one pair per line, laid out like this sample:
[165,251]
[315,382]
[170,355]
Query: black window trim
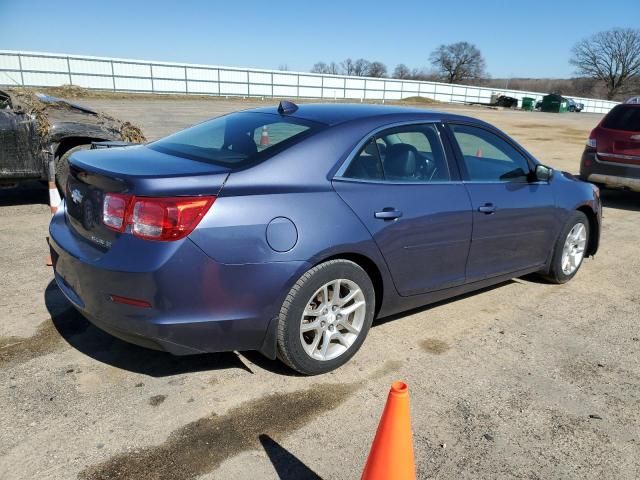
[448,153]
[464,174]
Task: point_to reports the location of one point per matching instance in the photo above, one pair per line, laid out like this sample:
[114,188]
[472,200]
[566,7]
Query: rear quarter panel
[296,185]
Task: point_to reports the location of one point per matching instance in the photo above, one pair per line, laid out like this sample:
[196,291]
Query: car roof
[335,113]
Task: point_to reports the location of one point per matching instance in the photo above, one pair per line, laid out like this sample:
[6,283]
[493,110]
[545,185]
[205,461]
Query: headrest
[401,161]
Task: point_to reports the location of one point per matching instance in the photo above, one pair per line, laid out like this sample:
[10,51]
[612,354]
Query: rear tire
[318,331]
[62,167]
[570,249]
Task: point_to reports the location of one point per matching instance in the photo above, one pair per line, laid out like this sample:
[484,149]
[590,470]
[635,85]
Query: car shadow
[27,193]
[620,199]
[78,332]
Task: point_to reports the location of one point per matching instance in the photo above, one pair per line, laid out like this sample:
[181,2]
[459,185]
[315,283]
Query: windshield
[238,139]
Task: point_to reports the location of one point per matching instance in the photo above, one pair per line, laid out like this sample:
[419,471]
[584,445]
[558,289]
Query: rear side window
[623,117]
[237,140]
[367,165]
[407,154]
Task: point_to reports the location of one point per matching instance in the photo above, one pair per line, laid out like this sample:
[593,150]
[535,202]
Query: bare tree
[458,62]
[333,68]
[347,66]
[612,57]
[401,71]
[377,69]
[283,67]
[361,67]
[319,67]
[423,74]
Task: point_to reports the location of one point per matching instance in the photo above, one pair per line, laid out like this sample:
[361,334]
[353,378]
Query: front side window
[489,158]
[407,154]
[238,139]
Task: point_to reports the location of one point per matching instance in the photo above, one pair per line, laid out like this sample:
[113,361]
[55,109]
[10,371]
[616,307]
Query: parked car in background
[611,157]
[287,230]
[574,106]
[32,125]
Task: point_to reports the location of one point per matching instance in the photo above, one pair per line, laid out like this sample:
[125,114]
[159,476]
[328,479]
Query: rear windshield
[623,117]
[237,140]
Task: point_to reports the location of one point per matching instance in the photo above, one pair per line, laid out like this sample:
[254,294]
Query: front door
[401,187]
[514,222]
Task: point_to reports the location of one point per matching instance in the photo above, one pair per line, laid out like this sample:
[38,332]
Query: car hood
[59,101]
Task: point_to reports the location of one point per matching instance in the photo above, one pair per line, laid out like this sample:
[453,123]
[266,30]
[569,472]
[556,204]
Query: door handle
[388,213]
[487,208]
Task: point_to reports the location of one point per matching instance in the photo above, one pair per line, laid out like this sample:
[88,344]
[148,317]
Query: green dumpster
[528,103]
[554,103]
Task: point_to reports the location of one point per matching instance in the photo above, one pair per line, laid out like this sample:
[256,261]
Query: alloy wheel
[573,250]
[332,319]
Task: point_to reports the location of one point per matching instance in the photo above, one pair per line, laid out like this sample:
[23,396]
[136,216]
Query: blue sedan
[288,230]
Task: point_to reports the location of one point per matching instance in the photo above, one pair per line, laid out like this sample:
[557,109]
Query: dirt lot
[524,380]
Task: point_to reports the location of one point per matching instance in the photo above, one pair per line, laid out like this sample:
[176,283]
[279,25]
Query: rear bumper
[615,181]
[595,170]
[197,305]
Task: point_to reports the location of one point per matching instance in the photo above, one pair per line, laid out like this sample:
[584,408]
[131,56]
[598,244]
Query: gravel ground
[523,380]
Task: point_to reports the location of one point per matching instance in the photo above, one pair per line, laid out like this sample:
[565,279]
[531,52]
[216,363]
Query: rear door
[513,218]
[402,187]
[620,142]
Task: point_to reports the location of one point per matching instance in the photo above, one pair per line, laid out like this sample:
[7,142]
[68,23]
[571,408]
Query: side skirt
[402,304]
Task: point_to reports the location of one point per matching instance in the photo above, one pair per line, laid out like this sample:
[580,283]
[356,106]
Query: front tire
[570,248]
[325,317]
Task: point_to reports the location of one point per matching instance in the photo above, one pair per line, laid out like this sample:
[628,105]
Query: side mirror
[543,173]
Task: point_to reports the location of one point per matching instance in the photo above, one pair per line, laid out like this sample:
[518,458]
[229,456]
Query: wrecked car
[35,126]
[499,101]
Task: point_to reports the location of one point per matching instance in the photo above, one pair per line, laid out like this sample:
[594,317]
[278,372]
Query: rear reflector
[129,301]
[155,218]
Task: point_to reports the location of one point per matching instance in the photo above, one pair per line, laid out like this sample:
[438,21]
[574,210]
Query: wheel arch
[369,266]
[67,143]
[594,237]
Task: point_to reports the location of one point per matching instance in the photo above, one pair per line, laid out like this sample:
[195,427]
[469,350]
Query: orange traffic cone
[264,138]
[391,455]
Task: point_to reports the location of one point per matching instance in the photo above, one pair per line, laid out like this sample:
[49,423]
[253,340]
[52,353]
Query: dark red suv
[611,157]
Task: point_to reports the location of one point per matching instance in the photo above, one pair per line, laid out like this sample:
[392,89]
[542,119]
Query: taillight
[114,211]
[167,218]
[591,141]
[155,218]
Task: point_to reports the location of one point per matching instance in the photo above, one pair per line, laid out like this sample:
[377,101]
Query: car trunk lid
[136,171]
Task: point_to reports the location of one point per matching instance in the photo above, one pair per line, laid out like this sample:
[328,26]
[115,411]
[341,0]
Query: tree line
[453,63]
[607,64]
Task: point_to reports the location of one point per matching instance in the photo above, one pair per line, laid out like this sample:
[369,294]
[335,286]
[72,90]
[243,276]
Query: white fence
[47,69]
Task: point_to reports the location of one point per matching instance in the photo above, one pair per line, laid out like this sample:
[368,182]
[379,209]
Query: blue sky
[518,38]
